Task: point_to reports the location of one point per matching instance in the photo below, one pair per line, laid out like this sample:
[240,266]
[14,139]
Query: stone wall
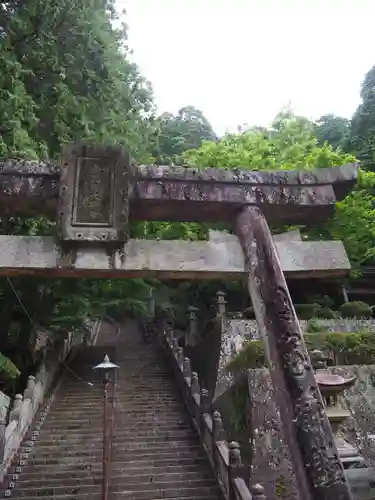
[25,406]
[248,328]
[271,461]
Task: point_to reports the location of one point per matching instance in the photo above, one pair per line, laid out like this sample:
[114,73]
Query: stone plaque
[93,202]
[95,186]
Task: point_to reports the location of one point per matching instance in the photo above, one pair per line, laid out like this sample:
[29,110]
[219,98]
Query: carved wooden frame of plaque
[95,185]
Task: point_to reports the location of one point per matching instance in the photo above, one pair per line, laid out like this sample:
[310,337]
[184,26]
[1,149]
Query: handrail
[224,457]
[109,416]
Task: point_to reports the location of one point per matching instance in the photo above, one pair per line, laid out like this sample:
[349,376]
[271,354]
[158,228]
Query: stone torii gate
[96,191]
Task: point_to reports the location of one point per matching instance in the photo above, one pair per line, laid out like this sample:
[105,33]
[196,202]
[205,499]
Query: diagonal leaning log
[319,472]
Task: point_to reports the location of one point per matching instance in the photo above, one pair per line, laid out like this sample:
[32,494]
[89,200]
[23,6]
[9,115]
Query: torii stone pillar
[319,471]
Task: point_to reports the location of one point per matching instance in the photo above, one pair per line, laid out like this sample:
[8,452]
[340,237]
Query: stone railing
[25,406]
[224,457]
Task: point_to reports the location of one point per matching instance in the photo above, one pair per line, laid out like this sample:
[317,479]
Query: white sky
[241,61]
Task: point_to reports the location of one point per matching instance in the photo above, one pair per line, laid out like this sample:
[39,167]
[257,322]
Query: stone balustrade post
[16,409]
[236,467]
[195,389]
[192,329]
[257,492]
[169,333]
[204,402]
[30,388]
[174,345]
[180,356]
[187,369]
[217,428]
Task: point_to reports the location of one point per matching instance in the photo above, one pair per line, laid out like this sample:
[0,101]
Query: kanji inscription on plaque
[94,191]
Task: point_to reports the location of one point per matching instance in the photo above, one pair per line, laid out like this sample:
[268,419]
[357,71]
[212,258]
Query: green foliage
[315,326]
[306,311]
[8,370]
[290,144]
[341,347]
[334,130]
[356,309]
[65,76]
[326,313]
[251,356]
[362,138]
[237,400]
[177,134]
[353,222]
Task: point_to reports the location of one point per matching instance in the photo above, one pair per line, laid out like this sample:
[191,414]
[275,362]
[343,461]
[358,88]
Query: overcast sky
[241,61]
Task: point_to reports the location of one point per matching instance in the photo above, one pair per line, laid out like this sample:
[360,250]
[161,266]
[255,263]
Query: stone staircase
[156,453]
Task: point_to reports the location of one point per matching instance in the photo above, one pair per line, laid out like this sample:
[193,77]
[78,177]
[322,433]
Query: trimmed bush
[356,348]
[356,309]
[326,313]
[306,311]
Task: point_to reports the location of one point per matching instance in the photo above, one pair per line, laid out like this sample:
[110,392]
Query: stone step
[144,462]
[119,496]
[156,453]
[118,449]
[89,478]
[131,491]
[122,440]
[128,470]
[123,453]
[88,429]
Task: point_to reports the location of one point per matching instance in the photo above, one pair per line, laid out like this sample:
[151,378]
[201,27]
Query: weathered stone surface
[95,186]
[269,446]
[177,193]
[307,432]
[172,259]
[271,464]
[342,176]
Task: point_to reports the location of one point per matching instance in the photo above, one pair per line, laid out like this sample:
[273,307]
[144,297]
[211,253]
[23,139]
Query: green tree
[179,133]
[333,129]
[289,144]
[65,75]
[362,137]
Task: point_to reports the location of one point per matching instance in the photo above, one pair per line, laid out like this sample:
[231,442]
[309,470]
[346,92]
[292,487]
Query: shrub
[8,369]
[315,326]
[355,348]
[356,309]
[306,311]
[251,356]
[326,313]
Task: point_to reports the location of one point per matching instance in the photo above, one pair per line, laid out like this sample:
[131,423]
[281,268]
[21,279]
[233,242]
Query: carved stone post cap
[192,309]
[186,359]
[233,445]
[204,392]
[221,296]
[257,491]
[18,397]
[216,415]
[31,377]
[194,375]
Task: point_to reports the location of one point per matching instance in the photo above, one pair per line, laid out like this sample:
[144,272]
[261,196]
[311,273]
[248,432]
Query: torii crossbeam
[95,192]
